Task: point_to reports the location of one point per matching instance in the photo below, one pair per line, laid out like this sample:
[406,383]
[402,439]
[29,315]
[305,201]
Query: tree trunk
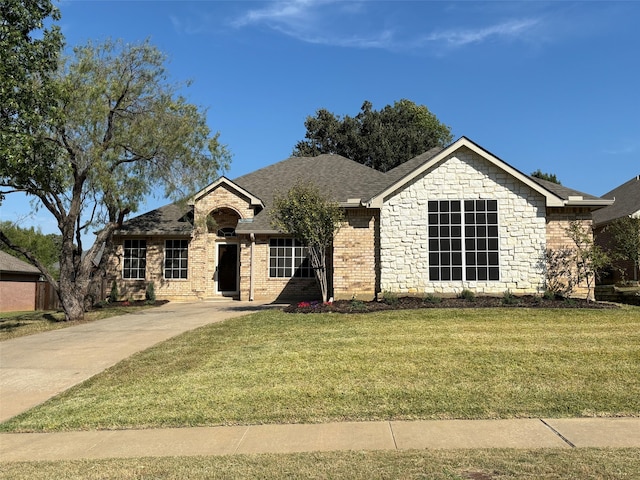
[72,302]
[318,263]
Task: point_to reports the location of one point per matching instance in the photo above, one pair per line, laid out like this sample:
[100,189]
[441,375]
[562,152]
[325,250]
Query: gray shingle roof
[562,191]
[407,167]
[171,219]
[340,178]
[337,176]
[11,264]
[627,202]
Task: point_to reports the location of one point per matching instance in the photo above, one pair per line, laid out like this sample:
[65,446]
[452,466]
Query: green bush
[390,298]
[509,298]
[431,298]
[113,295]
[150,293]
[467,295]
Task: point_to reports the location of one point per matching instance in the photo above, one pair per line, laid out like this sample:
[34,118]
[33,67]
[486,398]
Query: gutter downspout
[253,242]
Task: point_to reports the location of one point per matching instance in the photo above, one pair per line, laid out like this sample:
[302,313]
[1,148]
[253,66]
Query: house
[18,284]
[450,219]
[626,203]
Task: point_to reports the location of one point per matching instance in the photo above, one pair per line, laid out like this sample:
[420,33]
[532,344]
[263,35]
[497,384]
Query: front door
[227,268]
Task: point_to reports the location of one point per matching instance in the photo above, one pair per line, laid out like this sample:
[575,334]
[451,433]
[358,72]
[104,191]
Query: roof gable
[557,196]
[238,190]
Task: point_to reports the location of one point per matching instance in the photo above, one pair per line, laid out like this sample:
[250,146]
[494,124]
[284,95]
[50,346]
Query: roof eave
[594,203]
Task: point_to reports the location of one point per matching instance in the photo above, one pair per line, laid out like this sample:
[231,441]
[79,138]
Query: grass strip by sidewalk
[273,367]
[491,464]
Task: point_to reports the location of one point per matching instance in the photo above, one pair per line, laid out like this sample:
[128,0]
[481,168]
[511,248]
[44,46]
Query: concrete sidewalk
[429,434]
[37,367]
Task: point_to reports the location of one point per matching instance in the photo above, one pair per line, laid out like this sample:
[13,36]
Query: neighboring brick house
[452,218]
[626,203]
[18,284]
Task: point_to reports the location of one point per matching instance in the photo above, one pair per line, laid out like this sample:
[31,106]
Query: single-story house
[18,284]
[626,203]
[450,219]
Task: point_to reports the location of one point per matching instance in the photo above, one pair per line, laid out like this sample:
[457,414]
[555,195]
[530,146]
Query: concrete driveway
[37,367]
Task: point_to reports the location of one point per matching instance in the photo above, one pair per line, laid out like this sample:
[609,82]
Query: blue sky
[549,85]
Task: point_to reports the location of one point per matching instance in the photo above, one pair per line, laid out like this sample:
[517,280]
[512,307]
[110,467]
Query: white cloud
[461,37]
[351,24]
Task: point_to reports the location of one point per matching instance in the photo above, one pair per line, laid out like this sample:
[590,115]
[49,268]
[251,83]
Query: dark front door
[227,267]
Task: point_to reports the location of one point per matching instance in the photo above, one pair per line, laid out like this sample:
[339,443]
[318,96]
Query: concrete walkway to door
[37,367]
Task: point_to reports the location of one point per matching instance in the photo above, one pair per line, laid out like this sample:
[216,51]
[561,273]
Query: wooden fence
[46,297]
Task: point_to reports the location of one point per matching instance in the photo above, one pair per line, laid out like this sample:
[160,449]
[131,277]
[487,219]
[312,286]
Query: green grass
[582,464]
[19,324]
[273,367]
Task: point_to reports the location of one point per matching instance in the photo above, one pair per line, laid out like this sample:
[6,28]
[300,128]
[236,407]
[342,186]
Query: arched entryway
[222,225]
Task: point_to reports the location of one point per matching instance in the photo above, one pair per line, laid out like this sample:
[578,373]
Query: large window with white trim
[463,240]
[288,258]
[134,262]
[176,258]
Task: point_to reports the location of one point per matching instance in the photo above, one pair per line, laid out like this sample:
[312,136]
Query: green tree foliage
[29,53]
[549,177]
[313,218]
[124,132]
[46,248]
[626,241]
[588,259]
[379,139]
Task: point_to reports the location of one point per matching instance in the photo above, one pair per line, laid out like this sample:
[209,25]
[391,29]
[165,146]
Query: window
[135,259]
[288,258]
[463,240]
[175,258]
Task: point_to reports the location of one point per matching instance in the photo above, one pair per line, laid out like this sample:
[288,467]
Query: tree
[312,218]
[626,241]
[124,131]
[588,259]
[28,93]
[379,139]
[549,177]
[46,248]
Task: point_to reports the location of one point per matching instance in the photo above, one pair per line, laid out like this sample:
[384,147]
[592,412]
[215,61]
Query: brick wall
[558,221]
[355,258]
[266,288]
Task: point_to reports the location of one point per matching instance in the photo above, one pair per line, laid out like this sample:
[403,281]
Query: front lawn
[274,367]
[492,464]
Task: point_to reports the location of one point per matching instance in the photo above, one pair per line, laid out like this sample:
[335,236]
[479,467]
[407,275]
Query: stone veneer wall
[355,257]
[463,175]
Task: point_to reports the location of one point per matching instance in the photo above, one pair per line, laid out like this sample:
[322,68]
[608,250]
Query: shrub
[431,298]
[509,298]
[356,305]
[467,295]
[390,298]
[150,293]
[113,295]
